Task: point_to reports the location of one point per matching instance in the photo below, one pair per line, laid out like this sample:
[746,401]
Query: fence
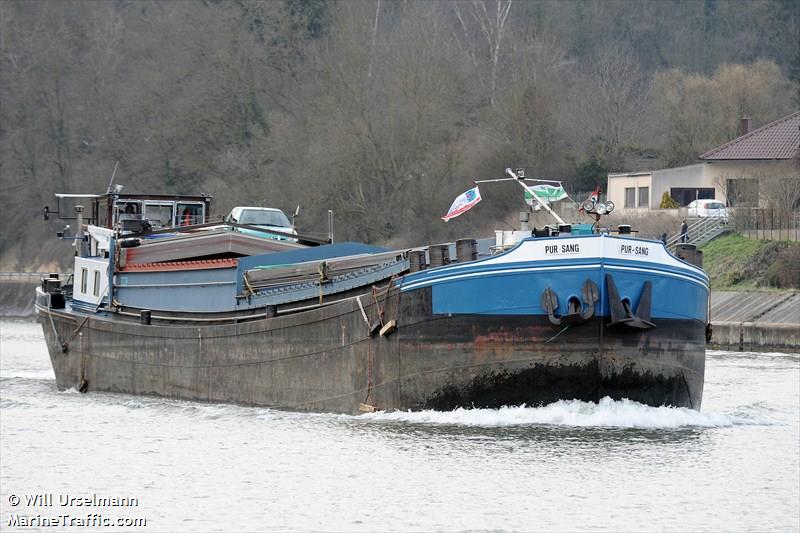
[767,223]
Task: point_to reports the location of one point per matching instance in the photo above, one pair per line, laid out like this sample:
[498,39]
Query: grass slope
[734,262]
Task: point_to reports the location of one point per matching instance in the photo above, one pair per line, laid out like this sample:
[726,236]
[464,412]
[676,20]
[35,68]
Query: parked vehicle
[262,217]
[708,208]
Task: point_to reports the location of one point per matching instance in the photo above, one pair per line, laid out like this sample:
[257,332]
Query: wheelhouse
[135,212]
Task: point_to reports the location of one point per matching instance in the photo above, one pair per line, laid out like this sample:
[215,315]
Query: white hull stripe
[512,256]
[660,273]
[418,284]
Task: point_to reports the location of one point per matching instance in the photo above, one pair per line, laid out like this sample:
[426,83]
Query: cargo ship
[164,301]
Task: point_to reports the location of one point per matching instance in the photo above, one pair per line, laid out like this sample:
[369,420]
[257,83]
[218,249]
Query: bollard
[416,260]
[439,254]
[144,317]
[466,250]
[690,254]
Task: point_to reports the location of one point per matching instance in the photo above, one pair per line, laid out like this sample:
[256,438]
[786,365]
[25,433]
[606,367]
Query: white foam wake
[607,413]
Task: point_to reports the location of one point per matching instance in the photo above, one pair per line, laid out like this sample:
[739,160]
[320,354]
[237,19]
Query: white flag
[546,193]
[463,203]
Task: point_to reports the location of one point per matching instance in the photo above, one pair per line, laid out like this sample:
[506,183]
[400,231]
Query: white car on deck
[708,209]
[262,217]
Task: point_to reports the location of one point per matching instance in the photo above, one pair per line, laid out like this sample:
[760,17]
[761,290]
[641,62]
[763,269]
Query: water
[617,466]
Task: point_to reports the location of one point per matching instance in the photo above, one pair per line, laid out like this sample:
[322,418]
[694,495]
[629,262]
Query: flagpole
[515,179]
[532,193]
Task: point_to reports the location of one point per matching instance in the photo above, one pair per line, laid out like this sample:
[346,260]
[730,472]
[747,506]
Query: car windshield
[259,217]
[715,205]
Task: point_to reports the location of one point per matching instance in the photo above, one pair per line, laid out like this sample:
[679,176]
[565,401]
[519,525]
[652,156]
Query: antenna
[108,190]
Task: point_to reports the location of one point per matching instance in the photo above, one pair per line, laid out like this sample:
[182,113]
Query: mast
[521,181]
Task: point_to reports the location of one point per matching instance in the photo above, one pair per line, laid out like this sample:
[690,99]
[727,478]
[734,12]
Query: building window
[644,196]
[685,195]
[97,283]
[84,279]
[630,197]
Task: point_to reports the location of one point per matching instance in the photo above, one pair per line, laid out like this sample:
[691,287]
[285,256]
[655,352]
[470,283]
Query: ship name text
[564,248]
[631,249]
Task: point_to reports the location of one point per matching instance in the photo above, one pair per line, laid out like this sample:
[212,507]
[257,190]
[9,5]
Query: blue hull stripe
[496,271]
[518,292]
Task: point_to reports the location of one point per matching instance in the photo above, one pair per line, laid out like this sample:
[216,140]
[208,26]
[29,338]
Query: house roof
[776,140]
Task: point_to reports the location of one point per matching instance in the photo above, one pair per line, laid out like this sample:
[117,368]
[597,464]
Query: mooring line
[557,334]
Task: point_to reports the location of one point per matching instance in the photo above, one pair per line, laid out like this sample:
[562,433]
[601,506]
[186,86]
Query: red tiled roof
[180,265]
[776,140]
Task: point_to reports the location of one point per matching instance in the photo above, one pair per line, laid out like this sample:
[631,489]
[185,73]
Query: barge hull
[326,360]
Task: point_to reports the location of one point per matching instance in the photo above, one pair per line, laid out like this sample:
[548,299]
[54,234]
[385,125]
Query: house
[759,167]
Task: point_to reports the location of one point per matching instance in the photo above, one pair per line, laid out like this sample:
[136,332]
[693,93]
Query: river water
[569,466]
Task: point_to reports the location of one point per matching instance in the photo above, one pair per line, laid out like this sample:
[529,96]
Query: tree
[611,99]
[695,113]
[488,17]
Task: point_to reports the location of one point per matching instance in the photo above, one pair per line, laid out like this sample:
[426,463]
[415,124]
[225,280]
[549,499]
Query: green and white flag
[546,193]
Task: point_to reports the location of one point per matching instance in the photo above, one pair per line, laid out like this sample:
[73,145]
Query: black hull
[325,359]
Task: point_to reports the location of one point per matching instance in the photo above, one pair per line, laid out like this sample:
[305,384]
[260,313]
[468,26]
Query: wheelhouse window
[630,197]
[160,215]
[84,279]
[130,207]
[644,196]
[188,214]
[96,290]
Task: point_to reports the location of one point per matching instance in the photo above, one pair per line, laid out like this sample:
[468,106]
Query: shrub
[784,272]
[667,202]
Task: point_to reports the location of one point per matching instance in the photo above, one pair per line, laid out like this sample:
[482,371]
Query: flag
[546,193]
[463,203]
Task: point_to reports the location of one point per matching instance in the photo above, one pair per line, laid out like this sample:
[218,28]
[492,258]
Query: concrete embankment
[16,293]
[756,321]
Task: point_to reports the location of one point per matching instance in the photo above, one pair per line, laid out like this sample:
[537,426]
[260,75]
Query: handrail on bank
[32,277]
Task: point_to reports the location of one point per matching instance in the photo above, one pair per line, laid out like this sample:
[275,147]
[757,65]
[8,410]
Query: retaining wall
[756,321]
[756,337]
[16,298]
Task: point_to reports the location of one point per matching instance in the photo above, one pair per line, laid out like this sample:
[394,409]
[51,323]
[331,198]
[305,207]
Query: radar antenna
[110,183]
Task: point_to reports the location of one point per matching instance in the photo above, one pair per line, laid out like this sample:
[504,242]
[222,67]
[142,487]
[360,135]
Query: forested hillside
[383,111]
